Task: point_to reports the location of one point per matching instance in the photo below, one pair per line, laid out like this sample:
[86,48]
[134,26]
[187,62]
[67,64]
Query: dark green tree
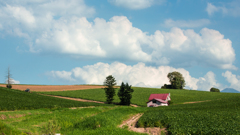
[9,82]
[214,90]
[109,89]
[125,94]
[177,80]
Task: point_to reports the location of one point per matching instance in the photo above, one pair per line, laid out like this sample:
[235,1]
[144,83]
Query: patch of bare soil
[3,117]
[131,124]
[195,102]
[45,88]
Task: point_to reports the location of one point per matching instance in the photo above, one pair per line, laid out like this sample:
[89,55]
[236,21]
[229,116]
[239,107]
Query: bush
[214,90]
[166,86]
[9,86]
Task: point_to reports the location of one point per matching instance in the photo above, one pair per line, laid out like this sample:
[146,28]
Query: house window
[154,101]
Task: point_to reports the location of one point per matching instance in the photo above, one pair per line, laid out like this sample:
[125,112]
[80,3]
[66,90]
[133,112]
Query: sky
[65,42]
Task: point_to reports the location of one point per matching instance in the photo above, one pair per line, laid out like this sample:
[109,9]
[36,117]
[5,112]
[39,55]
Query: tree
[9,79]
[125,94]
[177,80]
[214,90]
[109,89]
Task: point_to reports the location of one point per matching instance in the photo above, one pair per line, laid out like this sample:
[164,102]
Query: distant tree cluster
[176,79]
[124,93]
[214,89]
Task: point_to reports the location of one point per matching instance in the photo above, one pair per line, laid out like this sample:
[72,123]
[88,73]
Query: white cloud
[136,75]
[110,39]
[12,81]
[186,24]
[208,81]
[231,9]
[211,9]
[135,4]
[50,30]
[233,79]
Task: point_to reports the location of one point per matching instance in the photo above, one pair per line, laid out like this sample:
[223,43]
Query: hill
[230,90]
[11,99]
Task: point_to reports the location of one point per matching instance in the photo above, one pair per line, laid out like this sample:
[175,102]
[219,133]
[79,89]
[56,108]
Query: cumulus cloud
[51,30]
[186,24]
[136,75]
[231,9]
[135,4]
[208,81]
[233,79]
[12,81]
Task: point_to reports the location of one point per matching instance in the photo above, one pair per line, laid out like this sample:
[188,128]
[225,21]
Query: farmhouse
[156,100]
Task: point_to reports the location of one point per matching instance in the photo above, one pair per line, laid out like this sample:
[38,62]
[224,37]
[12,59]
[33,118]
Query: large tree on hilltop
[177,80]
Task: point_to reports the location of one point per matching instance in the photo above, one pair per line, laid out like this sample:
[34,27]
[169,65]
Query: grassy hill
[219,115]
[140,95]
[19,100]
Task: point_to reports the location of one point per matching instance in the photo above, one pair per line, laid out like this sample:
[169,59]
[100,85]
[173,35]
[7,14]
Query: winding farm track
[45,88]
[132,122]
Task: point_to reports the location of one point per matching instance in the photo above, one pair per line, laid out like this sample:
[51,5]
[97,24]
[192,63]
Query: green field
[20,100]
[219,115]
[140,95]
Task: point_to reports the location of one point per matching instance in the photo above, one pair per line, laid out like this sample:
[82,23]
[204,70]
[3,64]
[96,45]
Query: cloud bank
[52,31]
[136,75]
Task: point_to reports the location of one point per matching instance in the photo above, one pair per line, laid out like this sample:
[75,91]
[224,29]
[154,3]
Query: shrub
[9,86]
[214,90]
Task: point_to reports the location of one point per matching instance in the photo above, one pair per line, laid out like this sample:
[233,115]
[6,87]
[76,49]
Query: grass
[19,100]
[97,120]
[220,115]
[140,95]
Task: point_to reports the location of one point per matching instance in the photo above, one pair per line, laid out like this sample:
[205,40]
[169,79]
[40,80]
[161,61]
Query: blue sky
[63,42]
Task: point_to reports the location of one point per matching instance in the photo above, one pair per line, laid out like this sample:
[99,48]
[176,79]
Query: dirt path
[195,102]
[75,99]
[131,124]
[82,100]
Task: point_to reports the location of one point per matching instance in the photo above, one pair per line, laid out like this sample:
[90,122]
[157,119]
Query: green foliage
[9,86]
[110,81]
[165,86]
[214,117]
[6,130]
[177,80]
[109,90]
[51,127]
[125,94]
[20,100]
[214,90]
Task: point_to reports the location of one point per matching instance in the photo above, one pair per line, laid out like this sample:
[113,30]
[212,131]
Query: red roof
[158,96]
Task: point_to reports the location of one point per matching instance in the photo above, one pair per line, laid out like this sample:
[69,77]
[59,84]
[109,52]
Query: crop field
[140,95]
[36,114]
[19,100]
[215,117]
[52,87]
